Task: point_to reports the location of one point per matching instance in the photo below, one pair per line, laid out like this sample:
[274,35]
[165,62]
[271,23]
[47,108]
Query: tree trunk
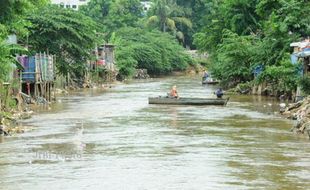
[164,29]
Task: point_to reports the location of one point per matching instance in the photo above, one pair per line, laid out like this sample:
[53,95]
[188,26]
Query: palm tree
[165,14]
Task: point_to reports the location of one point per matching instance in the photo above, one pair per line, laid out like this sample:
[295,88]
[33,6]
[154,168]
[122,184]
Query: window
[67,6]
[74,6]
[62,5]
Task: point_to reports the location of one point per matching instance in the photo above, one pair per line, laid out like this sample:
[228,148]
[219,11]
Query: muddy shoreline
[10,121]
[300,113]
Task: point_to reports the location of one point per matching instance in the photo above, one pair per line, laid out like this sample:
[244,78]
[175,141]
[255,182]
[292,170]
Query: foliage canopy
[68,34]
[240,35]
[157,52]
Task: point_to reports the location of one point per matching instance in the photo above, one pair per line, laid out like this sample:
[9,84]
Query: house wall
[146,5]
[73,4]
[109,57]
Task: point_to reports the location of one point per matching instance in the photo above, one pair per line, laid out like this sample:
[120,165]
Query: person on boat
[205,75]
[219,93]
[174,93]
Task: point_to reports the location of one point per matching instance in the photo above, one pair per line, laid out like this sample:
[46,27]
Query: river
[116,140]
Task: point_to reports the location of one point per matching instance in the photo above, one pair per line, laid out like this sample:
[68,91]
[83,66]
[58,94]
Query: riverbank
[300,112]
[10,120]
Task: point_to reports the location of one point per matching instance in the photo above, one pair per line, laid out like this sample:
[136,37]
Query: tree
[234,65]
[68,34]
[114,14]
[240,16]
[6,60]
[210,35]
[12,20]
[240,35]
[165,14]
[155,51]
[96,9]
[194,10]
[12,13]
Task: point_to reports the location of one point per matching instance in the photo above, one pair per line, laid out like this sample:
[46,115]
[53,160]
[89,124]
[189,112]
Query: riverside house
[301,53]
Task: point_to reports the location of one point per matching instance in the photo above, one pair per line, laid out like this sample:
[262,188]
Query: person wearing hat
[174,92]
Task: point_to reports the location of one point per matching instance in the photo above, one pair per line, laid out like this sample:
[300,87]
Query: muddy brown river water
[116,140]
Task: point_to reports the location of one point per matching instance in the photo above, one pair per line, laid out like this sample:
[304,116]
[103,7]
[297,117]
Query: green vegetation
[241,35]
[166,14]
[12,14]
[73,35]
[113,14]
[157,52]
[6,60]
[305,84]
[68,34]
[12,21]
[139,46]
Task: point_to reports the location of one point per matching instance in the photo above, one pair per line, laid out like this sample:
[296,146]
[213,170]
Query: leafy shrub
[157,52]
[283,77]
[305,84]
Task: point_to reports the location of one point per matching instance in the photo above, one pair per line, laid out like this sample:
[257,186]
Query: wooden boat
[188,101]
[209,81]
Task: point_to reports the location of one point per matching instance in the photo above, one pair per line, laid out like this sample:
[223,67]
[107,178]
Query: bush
[283,77]
[244,88]
[126,64]
[157,52]
[305,84]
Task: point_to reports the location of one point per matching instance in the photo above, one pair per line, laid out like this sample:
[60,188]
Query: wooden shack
[104,60]
[37,76]
[301,53]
